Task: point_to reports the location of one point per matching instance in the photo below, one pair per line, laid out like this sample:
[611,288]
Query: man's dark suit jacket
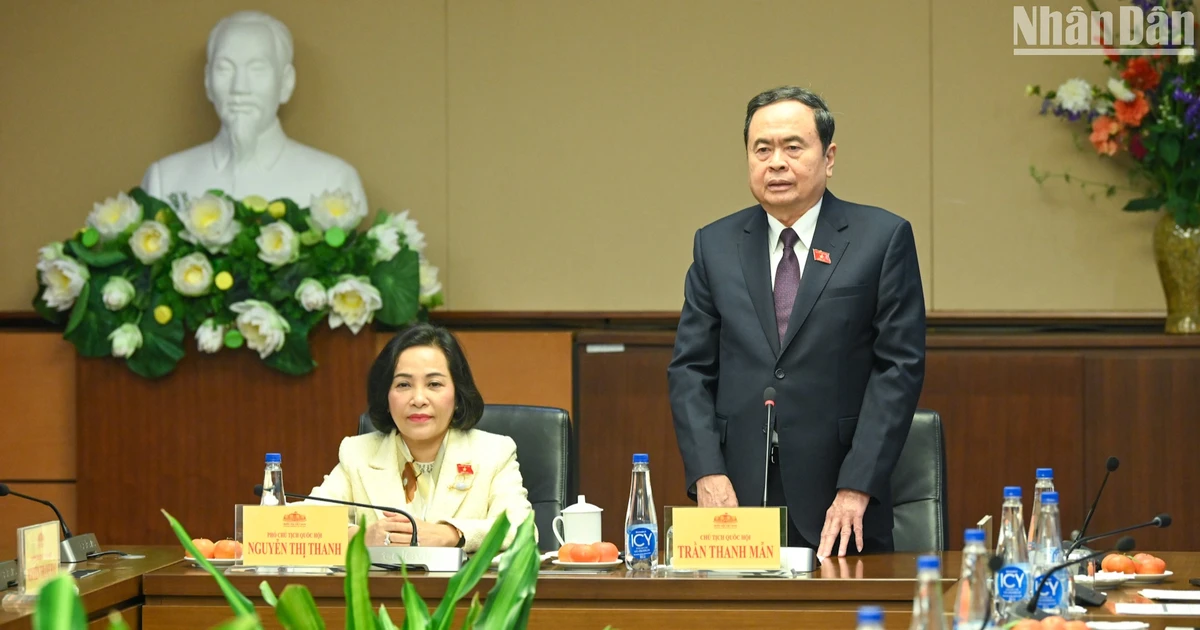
[847,375]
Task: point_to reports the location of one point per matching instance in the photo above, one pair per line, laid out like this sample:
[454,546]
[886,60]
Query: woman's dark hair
[468,403]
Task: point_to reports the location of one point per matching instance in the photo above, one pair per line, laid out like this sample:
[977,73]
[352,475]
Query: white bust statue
[249,74]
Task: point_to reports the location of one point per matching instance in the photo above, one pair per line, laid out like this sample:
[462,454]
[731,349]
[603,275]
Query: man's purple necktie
[787,281]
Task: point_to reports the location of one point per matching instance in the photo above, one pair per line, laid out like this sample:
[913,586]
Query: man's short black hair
[468,403]
[821,114]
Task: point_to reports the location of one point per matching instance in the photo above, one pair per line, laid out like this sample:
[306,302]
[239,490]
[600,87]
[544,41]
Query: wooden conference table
[181,596]
[163,591]
[117,586]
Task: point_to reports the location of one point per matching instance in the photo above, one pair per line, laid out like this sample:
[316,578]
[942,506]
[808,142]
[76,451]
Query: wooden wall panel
[193,442]
[518,367]
[522,368]
[623,409]
[17,512]
[37,373]
[1145,410]
[1005,414]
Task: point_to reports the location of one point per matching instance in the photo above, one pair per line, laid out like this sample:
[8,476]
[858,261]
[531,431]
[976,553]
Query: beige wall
[560,155]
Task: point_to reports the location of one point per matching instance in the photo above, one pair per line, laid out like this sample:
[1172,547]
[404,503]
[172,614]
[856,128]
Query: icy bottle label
[641,543]
[1012,583]
[1053,591]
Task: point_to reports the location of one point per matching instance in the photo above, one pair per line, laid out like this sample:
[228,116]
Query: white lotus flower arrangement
[141,278]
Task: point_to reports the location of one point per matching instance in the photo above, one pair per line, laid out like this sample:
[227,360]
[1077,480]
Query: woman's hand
[400,530]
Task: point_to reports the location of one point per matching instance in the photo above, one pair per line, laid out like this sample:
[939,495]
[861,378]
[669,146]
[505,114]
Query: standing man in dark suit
[820,299]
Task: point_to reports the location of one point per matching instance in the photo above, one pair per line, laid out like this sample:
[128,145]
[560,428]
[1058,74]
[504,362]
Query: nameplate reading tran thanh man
[741,538]
[294,536]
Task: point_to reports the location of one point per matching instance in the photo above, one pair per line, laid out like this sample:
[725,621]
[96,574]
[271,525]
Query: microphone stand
[1124,545]
[448,559]
[258,490]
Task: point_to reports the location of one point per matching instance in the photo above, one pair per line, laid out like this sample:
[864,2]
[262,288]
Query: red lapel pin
[821,256]
[465,469]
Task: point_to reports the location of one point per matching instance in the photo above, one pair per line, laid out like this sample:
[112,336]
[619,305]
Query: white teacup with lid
[580,523]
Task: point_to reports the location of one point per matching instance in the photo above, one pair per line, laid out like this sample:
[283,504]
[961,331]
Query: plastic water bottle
[870,618]
[1045,483]
[641,521]
[970,608]
[1059,591]
[1013,582]
[927,603]
[273,481]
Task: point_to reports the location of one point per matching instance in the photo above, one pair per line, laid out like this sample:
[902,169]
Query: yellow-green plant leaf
[385,620]
[239,603]
[243,622]
[508,603]
[116,621]
[59,606]
[469,575]
[358,593]
[472,613]
[416,613]
[268,595]
[297,610]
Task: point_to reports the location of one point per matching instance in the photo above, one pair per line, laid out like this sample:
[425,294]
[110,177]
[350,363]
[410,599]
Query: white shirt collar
[805,227]
[270,146]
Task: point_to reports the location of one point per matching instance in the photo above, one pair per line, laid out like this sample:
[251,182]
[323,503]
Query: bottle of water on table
[870,618]
[273,481]
[641,521]
[1058,592]
[927,602]
[1013,582]
[1045,483]
[970,608]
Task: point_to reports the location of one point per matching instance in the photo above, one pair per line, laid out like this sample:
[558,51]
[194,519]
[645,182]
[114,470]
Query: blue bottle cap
[870,614]
[974,536]
[274,458]
[1045,473]
[929,562]
[1049,498]
[641,458]
[1012,492]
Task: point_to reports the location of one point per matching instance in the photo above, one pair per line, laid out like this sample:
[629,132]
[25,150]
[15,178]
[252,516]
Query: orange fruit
[204,546]
[1076,625]
[606,551]
[1027,624]
[1141,557]
[585,553]
[1118,563]
[1054,622]
[228,549]
[1150,565]
[565,552]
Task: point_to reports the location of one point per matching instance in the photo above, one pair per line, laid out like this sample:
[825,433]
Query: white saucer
[588,565]
[216,562]
[1150,578]
[1104,579]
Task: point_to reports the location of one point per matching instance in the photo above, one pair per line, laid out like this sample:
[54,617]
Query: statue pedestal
[193,442]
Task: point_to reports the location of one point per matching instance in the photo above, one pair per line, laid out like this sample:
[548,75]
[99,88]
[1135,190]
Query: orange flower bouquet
[1148,111]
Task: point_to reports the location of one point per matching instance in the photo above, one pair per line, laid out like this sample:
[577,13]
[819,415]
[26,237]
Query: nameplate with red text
[744,538]
[294,535]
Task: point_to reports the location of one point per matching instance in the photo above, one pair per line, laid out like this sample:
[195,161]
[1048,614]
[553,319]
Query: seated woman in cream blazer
[425,456]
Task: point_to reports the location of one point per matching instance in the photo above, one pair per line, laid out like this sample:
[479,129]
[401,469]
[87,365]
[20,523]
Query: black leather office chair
[544,449]
[919,488]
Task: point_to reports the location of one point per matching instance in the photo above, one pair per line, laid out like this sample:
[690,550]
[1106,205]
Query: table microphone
[258,490]
[1162,520]
[439,559]
[1124,545]
[1112,464]
[769,403]
[71,548]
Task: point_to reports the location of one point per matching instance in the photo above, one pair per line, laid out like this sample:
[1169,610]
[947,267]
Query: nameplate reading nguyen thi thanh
[294,535]
[726,538]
